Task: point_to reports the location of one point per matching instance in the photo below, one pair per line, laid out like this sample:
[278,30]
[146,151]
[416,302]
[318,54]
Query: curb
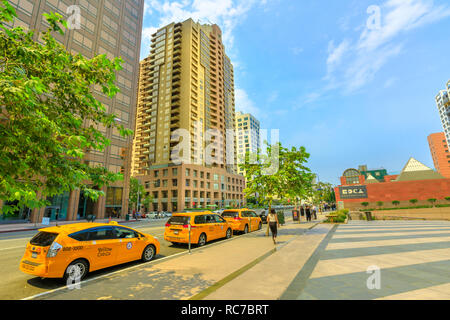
[206,292]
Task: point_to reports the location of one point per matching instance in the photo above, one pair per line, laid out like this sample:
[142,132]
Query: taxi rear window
[182,220]
[43,239]
[230,214]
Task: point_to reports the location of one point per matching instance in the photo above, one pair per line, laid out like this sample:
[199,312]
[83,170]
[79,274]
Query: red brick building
[440,153]
[416,181]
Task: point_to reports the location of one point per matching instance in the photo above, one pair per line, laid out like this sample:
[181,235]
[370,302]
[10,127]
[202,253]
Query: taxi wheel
[201,240]
[78,269]
[229,233]
[246,229]
[149,253]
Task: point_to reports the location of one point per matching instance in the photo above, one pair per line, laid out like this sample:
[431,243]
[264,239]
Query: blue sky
[352,86]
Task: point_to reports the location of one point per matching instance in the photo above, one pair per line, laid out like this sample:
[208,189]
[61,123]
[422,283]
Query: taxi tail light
[186,226]
[167,224]
[237,218]
[54,249]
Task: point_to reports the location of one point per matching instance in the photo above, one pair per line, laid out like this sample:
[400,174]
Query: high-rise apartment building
[111,27]
[440,153]
[247,135]
[443,104]
[186,87]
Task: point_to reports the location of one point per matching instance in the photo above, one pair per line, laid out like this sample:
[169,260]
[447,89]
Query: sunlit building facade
[113,28]
[186,86]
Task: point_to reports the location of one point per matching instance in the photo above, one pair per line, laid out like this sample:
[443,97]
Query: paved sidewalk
[186,276]
[381,260]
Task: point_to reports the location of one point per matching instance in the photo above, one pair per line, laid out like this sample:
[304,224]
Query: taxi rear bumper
[41,269]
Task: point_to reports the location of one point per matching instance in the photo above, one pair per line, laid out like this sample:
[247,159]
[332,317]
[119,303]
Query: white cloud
[273,96]
[354,63]
[225,13]
[399,16]
[244,103]
[335,54]
[147,33]
[297,50]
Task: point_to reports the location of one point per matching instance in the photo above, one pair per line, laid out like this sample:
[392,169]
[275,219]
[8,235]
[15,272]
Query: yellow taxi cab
[242,220]
[205,226]
[71,251]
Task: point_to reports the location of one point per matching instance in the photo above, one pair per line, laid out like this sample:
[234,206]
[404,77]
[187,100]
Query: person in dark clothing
[272,219]
[302,211]
[308,213]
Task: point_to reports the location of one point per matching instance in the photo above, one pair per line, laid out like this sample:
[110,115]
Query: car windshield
[230,214]
[182,220]
[43,239]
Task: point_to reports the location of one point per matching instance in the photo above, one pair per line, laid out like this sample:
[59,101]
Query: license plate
[34,254]
[175,232]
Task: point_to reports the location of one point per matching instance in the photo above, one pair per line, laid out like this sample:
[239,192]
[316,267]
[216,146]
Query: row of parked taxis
[201,227]
[71,251]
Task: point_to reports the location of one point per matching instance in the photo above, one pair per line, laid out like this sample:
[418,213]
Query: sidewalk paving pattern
[414,262]
[325,262]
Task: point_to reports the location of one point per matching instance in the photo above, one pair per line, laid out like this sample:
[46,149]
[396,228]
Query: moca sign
[353,192]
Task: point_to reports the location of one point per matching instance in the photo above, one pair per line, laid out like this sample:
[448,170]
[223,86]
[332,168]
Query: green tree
[365,204]
[146,201]
[432,201]
[49,117]
[380,203]
[395,202]
[279,173]
[136,191]
[447,198]
[413,201]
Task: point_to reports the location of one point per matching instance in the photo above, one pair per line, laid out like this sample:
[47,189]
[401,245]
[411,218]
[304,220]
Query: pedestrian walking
[308,213]
[272,218]
[302,211]
[315,212]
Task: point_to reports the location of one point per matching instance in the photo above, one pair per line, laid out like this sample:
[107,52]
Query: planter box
[423,214]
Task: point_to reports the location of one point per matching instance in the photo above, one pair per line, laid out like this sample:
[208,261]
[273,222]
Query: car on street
[152,215]
[204,227]
[263,216]
[71,251]
[242,220]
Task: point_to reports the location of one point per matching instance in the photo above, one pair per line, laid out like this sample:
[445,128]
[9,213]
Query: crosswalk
[412,260]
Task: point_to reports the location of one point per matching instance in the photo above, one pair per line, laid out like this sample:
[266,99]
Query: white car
[152,215]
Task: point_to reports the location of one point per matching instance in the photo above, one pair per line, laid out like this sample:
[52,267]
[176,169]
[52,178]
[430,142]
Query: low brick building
[416,181]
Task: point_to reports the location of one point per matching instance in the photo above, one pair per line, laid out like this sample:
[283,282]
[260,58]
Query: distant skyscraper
[111,27]
[440,153]
[247,135]
[187,85]
[443,104]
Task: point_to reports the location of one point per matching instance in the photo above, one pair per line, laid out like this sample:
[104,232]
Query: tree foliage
[278,173]
[323,192]
[49,116]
